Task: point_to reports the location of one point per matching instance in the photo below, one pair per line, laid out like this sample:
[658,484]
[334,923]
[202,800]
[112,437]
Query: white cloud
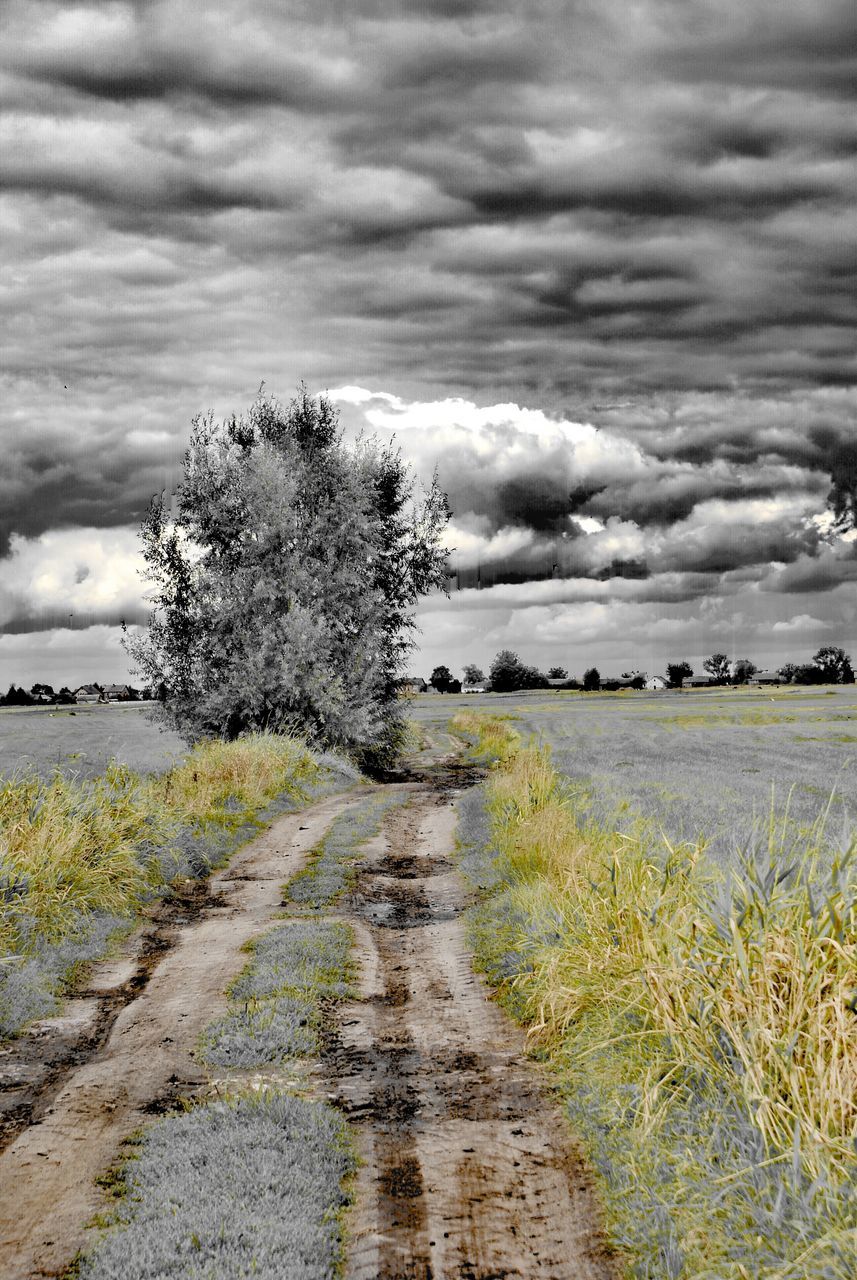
[801,622]
[75,571]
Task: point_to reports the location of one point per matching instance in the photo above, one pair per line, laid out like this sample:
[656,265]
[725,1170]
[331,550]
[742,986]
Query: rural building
[117,692]
[656,682]
[766,678]
[88,693]
[412,684]
[699,682]
[473,688]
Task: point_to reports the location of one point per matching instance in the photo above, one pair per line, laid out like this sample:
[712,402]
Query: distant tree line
[509,674]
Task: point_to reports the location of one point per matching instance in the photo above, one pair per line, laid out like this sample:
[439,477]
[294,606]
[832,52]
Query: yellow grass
[69,848]
[751,981]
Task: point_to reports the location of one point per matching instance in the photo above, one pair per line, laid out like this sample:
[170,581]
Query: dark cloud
[635,216]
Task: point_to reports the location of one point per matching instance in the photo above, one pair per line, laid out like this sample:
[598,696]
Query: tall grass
[672,997]
[72,852]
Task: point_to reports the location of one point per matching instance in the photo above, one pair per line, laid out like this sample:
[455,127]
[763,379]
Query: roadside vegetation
[701,1023]
[79,858]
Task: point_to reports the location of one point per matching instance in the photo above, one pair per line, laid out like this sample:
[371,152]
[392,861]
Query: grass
[79,857]
[701,1024]
[712,779]
[297,969]
[247,1187]
[330,869]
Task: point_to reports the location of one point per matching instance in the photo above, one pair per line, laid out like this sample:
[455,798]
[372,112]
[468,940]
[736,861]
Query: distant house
[473,688]
[656,682]
[557,683]
[767,678]
[117,692]
[412,684]
[88,693]
[699,682]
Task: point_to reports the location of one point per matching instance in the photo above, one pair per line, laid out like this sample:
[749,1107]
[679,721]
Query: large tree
[677,673]
[834,665]
[285,581]
[717,667]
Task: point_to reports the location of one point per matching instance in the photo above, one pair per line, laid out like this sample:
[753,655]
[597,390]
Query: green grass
[701,1025]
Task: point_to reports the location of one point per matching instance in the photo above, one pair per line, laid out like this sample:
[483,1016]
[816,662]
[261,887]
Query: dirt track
[131,1057]
[468,1171]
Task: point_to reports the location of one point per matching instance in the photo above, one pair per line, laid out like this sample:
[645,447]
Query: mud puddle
[123,1050]
[467,1171]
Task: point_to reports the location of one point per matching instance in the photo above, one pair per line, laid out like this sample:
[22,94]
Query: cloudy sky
[593,259]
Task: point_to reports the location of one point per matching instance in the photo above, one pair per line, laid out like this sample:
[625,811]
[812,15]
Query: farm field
[81,741]
[693,763]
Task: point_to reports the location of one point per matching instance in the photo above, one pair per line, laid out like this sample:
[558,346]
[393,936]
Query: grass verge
[77,859]
[702,1030]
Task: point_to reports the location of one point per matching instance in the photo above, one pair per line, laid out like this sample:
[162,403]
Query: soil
[468,1169]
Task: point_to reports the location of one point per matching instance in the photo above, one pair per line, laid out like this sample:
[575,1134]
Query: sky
[592,260]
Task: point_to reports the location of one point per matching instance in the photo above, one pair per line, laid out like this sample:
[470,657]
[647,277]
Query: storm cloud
[633,222]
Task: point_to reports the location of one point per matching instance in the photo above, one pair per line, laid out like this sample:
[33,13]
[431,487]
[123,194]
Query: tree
[42,693]
[473,674]
[677,673]
[557,673]
[592,680]
[65,697]
[507,672]
[788,671]
[743,670]
[717,667]
[284,585]
[442,679]
[834,665]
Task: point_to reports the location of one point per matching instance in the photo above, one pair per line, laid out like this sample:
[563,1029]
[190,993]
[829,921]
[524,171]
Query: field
[681,949]
[694,764]
[81,741]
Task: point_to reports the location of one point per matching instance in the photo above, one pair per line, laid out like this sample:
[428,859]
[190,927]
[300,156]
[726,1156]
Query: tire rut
[467,1170]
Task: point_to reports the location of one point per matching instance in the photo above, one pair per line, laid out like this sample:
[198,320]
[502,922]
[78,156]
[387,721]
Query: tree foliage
[443,679]
[717,667]
[284,583]
[678,672]
[509,674]
[592,680]
[834,665]
[557,673]
[743,669]
[473,674]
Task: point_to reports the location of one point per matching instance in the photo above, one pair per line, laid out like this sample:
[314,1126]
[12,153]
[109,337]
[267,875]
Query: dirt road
[468,1171]
[131,1036]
